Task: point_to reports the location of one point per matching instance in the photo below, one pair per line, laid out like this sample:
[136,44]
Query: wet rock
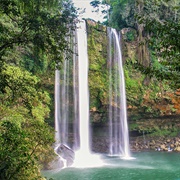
[155,143]
[177,149]
[66,153]
[163,146]
[65,157]
[57,163]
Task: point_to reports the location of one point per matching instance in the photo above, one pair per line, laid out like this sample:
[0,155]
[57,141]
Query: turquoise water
[145,166]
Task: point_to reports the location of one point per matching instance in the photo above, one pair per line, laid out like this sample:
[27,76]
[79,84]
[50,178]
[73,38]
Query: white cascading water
[83,89]
[57,106]
[81,144]
[62,104]
[63,123]
[83,125]
[58,137]
[84,157]
[75,93]
[118,127]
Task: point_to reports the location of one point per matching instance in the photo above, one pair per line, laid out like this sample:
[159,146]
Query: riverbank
[141,143]
[146,134]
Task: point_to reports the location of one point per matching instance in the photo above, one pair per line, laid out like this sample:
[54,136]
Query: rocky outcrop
[66,153]
[156,144]
[65,157]
[143,95]
[138,144]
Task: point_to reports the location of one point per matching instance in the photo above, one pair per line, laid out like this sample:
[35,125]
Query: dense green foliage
[25,137]
[150,31]
[40,23]
[20,154]
[98,75]
[162,22]
[157,25]
[32,40]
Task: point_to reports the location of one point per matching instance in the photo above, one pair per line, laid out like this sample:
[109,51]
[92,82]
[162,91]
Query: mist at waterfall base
[146,166]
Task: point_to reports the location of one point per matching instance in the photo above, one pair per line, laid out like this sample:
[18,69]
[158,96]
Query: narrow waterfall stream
[83,89]
[57,106]
[118,127]
[84,157]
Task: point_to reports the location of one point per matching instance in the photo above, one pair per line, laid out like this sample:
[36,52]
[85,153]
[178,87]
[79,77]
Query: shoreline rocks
[140,143]
[155,143]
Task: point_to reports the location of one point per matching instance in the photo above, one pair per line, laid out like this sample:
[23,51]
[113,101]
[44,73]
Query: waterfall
[75,92]
[84,157]
[62,104]
[57,106]
[118,127]
[81,127]
[83,89]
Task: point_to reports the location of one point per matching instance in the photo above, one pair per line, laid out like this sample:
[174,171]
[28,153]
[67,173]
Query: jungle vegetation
[151,48]
[157,25]
[32,41]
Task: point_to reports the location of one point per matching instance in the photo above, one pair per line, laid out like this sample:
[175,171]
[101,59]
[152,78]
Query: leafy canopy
[33,38]
[41,23]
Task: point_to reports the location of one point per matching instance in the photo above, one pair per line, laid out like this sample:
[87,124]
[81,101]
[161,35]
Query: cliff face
[156,97]
[145,96]
[98,74]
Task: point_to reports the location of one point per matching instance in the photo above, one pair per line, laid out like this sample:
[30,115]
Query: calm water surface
[145,166]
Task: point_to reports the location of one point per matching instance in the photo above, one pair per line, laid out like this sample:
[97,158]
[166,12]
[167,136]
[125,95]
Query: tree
[21,149]
[103,7]
[33,36]
[95,3]
[162,21]
[19,87]
[157,26]
[43,24]
[24,136]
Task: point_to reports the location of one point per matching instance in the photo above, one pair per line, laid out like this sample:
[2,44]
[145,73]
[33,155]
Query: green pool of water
[145,166]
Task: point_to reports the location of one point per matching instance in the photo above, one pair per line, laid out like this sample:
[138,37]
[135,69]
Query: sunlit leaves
[42,23]
[161,20]
[18,157]
[32,39]
[17,83]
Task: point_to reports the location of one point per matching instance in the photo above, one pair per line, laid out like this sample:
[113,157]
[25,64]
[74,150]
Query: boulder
[66,153]
[177,149]
[57,163]
[65,157]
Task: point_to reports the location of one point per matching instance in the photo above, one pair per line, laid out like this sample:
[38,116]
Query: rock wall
[145,97]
